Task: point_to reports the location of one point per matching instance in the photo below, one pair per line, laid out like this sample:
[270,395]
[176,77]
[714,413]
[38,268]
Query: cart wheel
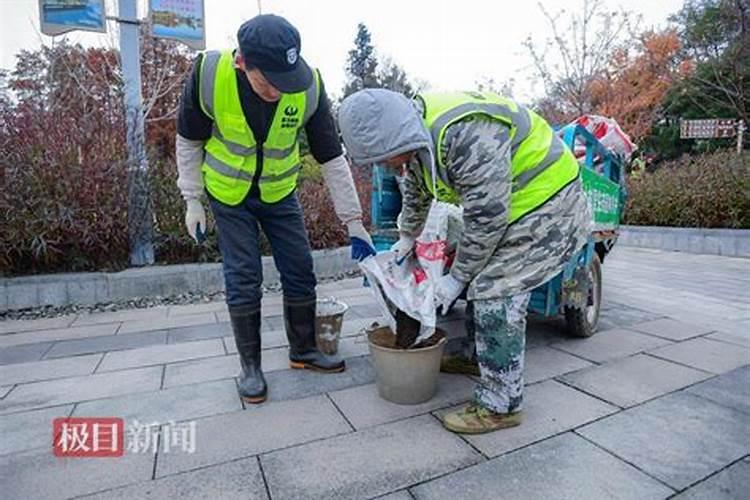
[583,323]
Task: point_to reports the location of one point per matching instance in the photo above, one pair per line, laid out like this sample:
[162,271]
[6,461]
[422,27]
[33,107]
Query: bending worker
[240,117]
[524,214]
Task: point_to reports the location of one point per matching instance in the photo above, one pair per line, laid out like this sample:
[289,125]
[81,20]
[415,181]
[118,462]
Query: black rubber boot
[246,327]
[299,320]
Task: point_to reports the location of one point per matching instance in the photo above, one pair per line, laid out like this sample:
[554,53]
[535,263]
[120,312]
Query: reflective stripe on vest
[541,164]
[231,154]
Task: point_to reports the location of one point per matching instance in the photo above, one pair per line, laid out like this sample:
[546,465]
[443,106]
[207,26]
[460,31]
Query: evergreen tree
[361,66]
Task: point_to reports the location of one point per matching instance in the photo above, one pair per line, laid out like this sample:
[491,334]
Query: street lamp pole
[140,218]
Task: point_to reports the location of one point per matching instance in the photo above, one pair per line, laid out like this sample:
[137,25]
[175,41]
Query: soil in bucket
[405,376]
[383,336]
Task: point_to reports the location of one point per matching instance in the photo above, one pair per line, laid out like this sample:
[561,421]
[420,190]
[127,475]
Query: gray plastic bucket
[329,316]
[405,376]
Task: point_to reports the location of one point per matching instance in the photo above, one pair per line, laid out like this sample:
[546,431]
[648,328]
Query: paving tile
[679,438]
[160,354]
[106,343]
[26,325]
[709,355]
[75,332]
[269,323]
[365,310]
[363,406]
[629,381]
[367,463]
[201,370]
[49,369]
[350,347]
[294,384]
[399,495]
[23,353]
[198,332]
[205,307]
[561,468]
[75,389]
[258,429]
[177,403]
[124,315]
[543,363]
[144,325]
[732,338]
[610,344]
[238,480]
[731,389]
[671,329]
[38,474]
[29,429]
[619,316]
[733,483]
[549,408]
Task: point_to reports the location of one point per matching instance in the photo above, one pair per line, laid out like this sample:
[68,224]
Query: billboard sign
[182,20]
[61,16]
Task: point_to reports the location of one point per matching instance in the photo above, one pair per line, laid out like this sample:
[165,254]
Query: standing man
[524,214]
[240,117]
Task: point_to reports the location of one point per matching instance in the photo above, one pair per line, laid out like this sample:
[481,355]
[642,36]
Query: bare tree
[504,88]
[579,50]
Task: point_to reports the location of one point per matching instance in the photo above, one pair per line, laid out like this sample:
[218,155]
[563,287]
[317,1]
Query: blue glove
[360,240]
[360,248]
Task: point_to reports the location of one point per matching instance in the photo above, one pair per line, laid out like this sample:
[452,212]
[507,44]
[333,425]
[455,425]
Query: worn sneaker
[475,419]
[459,364]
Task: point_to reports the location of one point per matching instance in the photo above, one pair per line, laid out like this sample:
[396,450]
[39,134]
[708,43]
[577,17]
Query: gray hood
[377,124]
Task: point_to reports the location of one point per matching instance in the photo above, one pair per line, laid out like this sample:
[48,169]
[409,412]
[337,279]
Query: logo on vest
[290,118]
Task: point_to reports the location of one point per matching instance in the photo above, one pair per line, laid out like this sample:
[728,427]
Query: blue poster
[181,20]
[60,16]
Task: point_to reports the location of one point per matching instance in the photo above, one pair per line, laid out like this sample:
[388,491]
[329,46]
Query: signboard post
[60,16]
[182,20]
[740,136]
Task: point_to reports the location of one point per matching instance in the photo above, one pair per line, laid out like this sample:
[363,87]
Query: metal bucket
[329,316]
[405,376]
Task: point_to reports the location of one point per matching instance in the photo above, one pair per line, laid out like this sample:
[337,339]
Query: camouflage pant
[499,330]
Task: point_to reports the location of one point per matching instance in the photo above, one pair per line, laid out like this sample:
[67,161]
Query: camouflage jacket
[495,258]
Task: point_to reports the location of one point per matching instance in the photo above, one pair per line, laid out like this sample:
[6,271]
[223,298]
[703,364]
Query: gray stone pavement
[656,405]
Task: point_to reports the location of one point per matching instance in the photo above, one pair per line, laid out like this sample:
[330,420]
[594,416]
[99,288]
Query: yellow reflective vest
[541,164]
[231,154]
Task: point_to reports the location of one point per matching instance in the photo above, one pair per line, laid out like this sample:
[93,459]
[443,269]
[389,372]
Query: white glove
[403,247]
[447,291]
[195,220]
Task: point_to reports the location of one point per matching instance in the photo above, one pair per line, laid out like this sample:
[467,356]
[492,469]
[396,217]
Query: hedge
[708,191]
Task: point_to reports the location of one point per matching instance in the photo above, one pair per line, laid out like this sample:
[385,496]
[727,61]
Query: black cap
[272,45]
